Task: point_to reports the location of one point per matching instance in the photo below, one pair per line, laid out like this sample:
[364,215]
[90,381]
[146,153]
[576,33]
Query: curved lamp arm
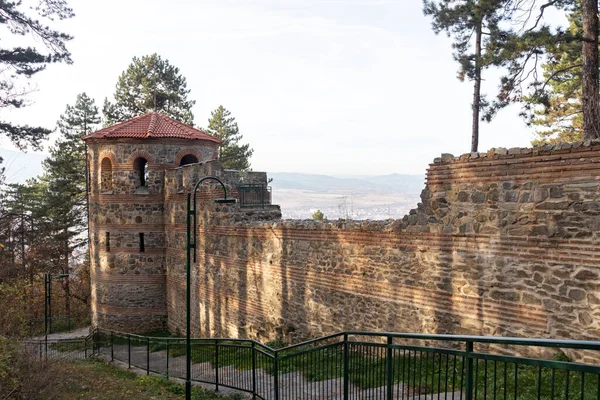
[191,214]
[192,209]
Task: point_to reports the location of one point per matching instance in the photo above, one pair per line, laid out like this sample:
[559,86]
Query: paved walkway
[65,335]
[292,385]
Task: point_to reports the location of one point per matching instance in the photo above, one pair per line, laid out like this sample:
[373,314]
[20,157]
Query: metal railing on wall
[254,195]
[357,365]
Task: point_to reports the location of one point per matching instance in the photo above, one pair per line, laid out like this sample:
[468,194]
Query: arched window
[141,168]
[188,159]
[106,175]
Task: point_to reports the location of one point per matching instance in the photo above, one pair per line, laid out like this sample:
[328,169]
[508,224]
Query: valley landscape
[299,195]
[356,197]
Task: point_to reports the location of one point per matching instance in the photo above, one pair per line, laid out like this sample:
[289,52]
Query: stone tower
[127,164]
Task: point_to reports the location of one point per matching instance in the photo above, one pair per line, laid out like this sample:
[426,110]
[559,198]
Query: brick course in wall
[128,284]
[502,243]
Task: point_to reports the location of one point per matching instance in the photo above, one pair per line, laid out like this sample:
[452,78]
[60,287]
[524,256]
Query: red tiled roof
[152,125]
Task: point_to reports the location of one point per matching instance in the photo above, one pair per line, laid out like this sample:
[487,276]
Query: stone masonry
[502,243]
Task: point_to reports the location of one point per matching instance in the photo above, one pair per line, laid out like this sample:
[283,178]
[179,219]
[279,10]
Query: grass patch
[92,379]
[65,346]
[422,371]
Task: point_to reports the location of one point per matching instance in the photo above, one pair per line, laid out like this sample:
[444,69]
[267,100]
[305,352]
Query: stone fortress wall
[129,285]
[502,243]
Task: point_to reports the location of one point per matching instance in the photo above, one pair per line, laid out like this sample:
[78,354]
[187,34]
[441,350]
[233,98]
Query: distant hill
[299,195]
[21,166]
[356,197]
[363,184]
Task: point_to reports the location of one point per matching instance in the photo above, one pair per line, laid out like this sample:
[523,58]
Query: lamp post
[48,303]
[191,215]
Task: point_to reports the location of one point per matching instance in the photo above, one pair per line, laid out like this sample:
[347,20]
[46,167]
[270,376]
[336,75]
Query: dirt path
[65,335]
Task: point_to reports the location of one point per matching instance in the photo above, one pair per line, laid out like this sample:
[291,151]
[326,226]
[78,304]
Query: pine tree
[24,62]
[65,181]
[590,76]
[520,51]
[66,172]
[233,154]
[150,83]
[556,106]
[473,24]
[22,226]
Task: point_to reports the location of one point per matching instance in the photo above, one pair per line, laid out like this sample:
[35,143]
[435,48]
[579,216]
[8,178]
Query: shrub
[23,376]
[318,215]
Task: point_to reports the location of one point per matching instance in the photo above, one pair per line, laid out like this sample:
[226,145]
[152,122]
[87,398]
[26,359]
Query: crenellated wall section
[503,243]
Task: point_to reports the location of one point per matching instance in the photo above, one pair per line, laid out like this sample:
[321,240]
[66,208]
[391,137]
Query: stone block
[447,157]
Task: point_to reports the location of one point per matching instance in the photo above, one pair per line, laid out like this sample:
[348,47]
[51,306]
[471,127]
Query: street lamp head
[60,276]
[225,201]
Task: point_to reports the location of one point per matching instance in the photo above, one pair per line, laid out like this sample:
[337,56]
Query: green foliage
[22,235]
[18,63]
[459,19]
[318,215]
[7,353]
[150,83]
[278,343]
[233,154]
[13,302]
[66,174]
[474,26]
[44,219]
[93,378]
[556,106]
[561,356]
[23,376]
[517,38]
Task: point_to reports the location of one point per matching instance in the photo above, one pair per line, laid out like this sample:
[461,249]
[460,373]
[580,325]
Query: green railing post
[112,347]
[346,366]
[85,347]
[147,355]
[389,369]
[168,341]
[217,365]
[129,351]
[469,360]
[41,351]
[49,304]
[253,371]
[276,374]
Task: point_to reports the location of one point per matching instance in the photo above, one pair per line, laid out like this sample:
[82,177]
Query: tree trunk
[477,86]
[591,97]
[65,285]
[11,247]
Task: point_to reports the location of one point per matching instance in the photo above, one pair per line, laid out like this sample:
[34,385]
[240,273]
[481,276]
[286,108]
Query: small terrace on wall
[250,188]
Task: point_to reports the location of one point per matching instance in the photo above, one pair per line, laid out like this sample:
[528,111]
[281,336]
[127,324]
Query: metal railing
[357,365]
[63,349]
[62,323]
[255,195]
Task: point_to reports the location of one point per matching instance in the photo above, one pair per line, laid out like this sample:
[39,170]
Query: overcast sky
[335,87]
